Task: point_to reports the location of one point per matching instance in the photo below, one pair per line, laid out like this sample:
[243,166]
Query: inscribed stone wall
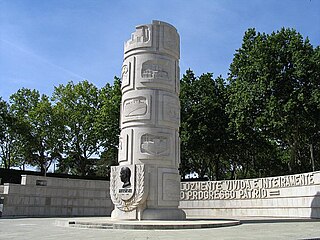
[288,196]
[284,196]
[48,196]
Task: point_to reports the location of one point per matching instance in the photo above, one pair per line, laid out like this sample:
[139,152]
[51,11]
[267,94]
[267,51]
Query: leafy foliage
[203,123]
[107,126]
[40,131]
[272,83]
[10,153]
[79,104]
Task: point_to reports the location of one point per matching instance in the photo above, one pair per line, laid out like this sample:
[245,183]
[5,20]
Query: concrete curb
[108,223]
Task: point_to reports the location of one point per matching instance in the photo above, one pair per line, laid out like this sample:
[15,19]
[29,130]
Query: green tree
[4,141]
[40,130]
[270,95]
[9,146]
[107,125]
[314,138]
[203,125]
[79,104]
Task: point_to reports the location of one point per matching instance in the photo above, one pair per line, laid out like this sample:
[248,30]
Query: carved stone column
[146,184]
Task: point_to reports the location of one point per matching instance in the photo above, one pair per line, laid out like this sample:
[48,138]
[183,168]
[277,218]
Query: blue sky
[44,43]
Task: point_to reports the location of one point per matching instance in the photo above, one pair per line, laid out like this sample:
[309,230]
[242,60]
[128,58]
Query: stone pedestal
[146,184]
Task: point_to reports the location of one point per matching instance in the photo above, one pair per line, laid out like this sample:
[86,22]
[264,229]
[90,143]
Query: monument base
[117,214]
[163,214]
[149,214]
[107,223]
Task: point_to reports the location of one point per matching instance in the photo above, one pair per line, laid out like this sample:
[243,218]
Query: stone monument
[146,184]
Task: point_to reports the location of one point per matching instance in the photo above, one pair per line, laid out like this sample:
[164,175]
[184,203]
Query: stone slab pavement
[251,228]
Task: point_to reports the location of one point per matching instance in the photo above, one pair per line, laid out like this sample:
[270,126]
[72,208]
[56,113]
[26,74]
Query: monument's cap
[159,37]
[157,22]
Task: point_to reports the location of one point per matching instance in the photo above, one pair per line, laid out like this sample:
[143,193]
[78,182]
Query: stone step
[90,225]
[108,223]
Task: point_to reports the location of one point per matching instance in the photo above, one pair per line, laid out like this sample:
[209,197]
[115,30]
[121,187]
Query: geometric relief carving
[171,110]
[171,186]
[178,145]
[177,77]
[135,107]
[141,35]
[123,148]
[156,69]
[140,38]
[125,75]
[155,145]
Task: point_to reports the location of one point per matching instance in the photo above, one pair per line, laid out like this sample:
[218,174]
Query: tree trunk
[217,166]
[312,157]
[293,158]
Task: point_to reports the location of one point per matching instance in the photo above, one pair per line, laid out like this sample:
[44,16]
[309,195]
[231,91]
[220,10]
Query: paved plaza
[251,228]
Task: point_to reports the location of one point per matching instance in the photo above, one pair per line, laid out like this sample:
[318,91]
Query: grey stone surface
[109,223]
[283,196]
[46,196]
[150,119]
[86,198]
[255,228]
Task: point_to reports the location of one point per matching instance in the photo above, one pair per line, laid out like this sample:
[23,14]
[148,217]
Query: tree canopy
[75,129]
[203,123]
[273,81]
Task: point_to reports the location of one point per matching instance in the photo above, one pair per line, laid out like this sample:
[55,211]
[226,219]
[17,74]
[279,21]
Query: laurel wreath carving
[114,196]
[134,201]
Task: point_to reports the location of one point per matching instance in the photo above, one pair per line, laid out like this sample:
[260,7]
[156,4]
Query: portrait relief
[125,175]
